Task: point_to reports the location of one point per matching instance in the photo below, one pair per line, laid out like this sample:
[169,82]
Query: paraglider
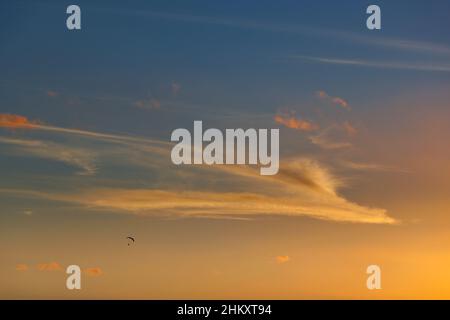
[132,239]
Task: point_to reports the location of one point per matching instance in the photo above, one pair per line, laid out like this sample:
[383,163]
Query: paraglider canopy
[132,239]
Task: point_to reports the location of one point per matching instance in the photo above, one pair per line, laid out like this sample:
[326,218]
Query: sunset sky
[85,124]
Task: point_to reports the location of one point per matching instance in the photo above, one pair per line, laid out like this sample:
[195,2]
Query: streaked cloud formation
[221,204]
[77,157]
[303,186]
[55,266]
[290,121]
[350,37]
[22,122]
[444,67]
[372,167]
[52,266]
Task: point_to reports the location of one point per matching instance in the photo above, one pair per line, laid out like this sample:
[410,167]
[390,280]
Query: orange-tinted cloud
[302,187]
[21,267]
[294,123]
[52,266]
[93,272]
[335,100]
[15,121]
[282,259]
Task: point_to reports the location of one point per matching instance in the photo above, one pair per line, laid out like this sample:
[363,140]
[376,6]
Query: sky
[85,123]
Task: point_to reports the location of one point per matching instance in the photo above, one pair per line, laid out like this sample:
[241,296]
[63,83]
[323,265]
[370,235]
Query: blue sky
[256,51]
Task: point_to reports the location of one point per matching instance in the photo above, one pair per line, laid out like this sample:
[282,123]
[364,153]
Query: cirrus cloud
[303,187]
[52,266]
[290,121]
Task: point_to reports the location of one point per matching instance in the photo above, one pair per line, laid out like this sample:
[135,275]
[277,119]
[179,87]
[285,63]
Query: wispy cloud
[329,138]
[290,121]
[282,259]
[303,187]
[93,272]
[377,64]
[407,45]
[220,204]
[361,166]
[78,157]
[52,266]
[334,100]
[22,122]
[401,44]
